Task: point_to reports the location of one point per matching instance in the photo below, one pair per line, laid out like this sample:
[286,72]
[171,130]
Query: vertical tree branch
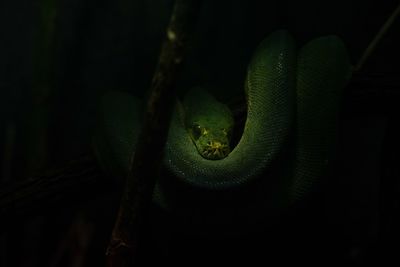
[148,155]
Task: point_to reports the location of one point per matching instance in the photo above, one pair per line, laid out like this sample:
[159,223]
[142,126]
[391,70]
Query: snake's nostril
[215,150]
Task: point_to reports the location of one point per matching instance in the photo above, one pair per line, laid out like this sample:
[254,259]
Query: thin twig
[378,37]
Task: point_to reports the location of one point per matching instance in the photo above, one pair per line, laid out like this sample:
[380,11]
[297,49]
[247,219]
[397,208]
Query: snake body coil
[292,102]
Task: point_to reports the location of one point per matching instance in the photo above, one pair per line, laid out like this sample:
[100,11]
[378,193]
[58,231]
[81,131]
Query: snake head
[211,142]
[215,150]
[209,124]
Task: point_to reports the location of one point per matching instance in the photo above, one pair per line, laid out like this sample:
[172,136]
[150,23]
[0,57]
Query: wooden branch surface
[147,157]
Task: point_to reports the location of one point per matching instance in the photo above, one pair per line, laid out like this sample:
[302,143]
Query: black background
[113,45]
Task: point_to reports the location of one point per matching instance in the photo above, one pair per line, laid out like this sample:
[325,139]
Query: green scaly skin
[271,105]
[292,104]
[209,124]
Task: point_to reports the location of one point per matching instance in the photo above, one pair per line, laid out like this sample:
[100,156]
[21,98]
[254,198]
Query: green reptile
[293,96]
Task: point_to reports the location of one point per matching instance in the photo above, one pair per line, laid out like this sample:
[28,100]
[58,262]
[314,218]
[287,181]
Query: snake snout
[216,150]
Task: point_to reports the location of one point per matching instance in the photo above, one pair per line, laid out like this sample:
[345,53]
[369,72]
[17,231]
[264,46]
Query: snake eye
[196,131]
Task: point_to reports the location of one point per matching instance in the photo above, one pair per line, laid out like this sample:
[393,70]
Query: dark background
[48,97]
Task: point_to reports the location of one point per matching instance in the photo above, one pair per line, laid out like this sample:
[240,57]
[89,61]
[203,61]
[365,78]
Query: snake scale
[293,97]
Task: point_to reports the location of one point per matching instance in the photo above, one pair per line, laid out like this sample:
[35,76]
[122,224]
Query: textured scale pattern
[323,71]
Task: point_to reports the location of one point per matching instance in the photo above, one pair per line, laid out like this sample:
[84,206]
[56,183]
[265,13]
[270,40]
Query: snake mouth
[215,150]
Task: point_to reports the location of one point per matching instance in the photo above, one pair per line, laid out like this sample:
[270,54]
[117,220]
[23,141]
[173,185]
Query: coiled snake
[293,99]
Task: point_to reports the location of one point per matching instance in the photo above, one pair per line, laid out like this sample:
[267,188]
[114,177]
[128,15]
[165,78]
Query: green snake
[292,96]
